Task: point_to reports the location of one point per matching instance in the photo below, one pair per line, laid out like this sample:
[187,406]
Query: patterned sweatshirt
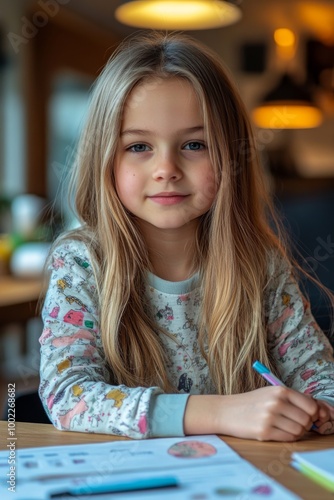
[76,387]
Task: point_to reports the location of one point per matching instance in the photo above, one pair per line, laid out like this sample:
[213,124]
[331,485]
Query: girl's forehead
[156,83]
[152,91]
[162,100]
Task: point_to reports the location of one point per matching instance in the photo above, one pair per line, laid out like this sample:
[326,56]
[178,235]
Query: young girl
[175,284]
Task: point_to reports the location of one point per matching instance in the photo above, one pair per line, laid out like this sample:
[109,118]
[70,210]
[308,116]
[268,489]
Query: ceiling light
[285,40]
[284,37]
[178,14]
[288,105]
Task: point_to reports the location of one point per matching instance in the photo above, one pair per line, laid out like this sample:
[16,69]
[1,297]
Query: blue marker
[266,374]
[271,378]
[120,486]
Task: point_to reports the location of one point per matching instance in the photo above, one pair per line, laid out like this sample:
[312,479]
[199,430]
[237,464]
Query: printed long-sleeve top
[76,386]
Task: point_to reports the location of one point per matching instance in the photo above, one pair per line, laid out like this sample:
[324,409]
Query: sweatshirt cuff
[167,414]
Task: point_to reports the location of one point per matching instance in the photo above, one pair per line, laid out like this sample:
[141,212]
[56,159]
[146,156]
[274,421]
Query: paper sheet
[204,466]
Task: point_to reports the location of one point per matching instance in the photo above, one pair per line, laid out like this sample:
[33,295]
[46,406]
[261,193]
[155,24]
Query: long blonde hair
[234,239]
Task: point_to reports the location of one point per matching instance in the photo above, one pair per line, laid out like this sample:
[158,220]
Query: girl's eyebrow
[135,131]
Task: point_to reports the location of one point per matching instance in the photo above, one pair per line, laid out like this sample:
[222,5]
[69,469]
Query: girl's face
[163,172]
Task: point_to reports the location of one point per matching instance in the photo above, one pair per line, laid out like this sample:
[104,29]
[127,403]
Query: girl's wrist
[203,415]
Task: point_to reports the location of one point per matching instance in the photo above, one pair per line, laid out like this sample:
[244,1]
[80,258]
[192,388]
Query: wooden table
[18,299]
[271,458]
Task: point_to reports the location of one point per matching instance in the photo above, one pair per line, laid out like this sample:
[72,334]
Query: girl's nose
[167,169]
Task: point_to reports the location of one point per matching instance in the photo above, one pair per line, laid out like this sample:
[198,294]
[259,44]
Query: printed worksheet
[189,468]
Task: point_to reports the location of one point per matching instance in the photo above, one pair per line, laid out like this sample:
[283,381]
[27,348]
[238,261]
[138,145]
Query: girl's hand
[325,422]
[266,414]
[269,414]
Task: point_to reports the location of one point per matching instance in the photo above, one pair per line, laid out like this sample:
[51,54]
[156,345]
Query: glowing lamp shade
[288,106]
[178,14]
[281,115]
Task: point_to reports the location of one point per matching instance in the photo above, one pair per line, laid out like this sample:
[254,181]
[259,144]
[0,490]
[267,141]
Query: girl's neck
[172,252]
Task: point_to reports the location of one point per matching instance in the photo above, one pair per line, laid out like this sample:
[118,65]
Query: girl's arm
[266,414]
[76,387]
[304,358]
[303,354]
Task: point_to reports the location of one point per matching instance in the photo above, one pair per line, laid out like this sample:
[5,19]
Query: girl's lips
[164,199]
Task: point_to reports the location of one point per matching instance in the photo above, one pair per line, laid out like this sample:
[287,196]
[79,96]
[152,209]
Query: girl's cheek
[210,187]
[127,183]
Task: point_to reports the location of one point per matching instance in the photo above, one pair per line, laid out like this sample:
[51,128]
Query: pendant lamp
[178,14]
[288,105]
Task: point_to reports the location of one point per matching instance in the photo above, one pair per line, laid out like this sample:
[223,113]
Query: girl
[174,284]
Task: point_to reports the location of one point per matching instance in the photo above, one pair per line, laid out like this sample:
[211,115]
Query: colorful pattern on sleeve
[302,352]
[75,383]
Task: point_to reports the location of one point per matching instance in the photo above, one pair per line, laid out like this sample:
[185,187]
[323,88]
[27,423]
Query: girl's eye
[138,148]
[194,146]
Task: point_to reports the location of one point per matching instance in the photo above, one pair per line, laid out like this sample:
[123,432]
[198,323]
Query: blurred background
[279,52]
